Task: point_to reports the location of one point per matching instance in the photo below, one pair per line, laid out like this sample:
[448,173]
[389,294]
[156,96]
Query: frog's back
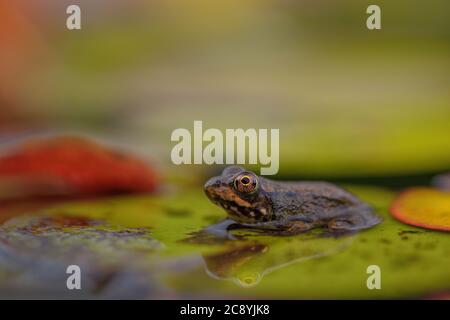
[313,199]
[317,188]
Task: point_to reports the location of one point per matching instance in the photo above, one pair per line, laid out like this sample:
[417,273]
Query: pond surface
[153,247]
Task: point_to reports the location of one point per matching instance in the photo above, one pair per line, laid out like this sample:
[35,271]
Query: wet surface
[36,251]
[157,247]
[246,264]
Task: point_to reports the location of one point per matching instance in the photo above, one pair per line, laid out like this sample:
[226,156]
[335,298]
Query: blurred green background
[349,102]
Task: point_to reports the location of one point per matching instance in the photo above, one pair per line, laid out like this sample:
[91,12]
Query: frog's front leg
[221,229]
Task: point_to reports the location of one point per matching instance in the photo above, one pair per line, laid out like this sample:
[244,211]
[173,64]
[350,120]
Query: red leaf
[75,166]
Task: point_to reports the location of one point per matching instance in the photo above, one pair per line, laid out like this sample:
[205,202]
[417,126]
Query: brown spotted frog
[255,202]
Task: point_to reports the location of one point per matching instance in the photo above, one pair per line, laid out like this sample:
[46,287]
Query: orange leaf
[74,166]
[423,207]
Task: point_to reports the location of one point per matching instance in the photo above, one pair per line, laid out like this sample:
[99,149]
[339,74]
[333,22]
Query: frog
[288,207]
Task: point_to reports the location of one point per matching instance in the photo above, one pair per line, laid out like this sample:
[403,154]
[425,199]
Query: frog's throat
[246,214]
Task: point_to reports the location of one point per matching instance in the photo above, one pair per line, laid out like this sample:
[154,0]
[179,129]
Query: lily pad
[423,207]
[35,252]
[256,265]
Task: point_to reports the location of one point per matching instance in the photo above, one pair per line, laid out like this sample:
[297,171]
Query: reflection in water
[125,262]
[228,263]
[247,262]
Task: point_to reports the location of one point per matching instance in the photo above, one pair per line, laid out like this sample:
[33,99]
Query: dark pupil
[245,180]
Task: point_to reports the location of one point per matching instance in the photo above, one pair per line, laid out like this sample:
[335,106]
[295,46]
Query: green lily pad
[263,266]
[35,252]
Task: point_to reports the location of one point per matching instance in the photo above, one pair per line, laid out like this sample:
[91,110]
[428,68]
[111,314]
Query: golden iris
[245,183]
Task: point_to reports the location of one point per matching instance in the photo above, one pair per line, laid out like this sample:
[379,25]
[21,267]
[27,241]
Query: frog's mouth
[238,213]
[242,214]
[238,209]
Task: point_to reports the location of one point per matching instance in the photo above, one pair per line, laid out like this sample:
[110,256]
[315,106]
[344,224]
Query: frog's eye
[246,183]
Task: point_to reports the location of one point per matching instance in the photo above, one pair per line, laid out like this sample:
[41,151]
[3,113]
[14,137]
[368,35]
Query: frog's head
[239,192]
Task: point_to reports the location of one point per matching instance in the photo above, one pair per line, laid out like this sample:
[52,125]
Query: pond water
[153,247]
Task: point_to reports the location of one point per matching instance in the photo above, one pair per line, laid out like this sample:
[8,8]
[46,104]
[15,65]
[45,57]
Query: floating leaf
[71,166]
[423,207]
[299,267]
